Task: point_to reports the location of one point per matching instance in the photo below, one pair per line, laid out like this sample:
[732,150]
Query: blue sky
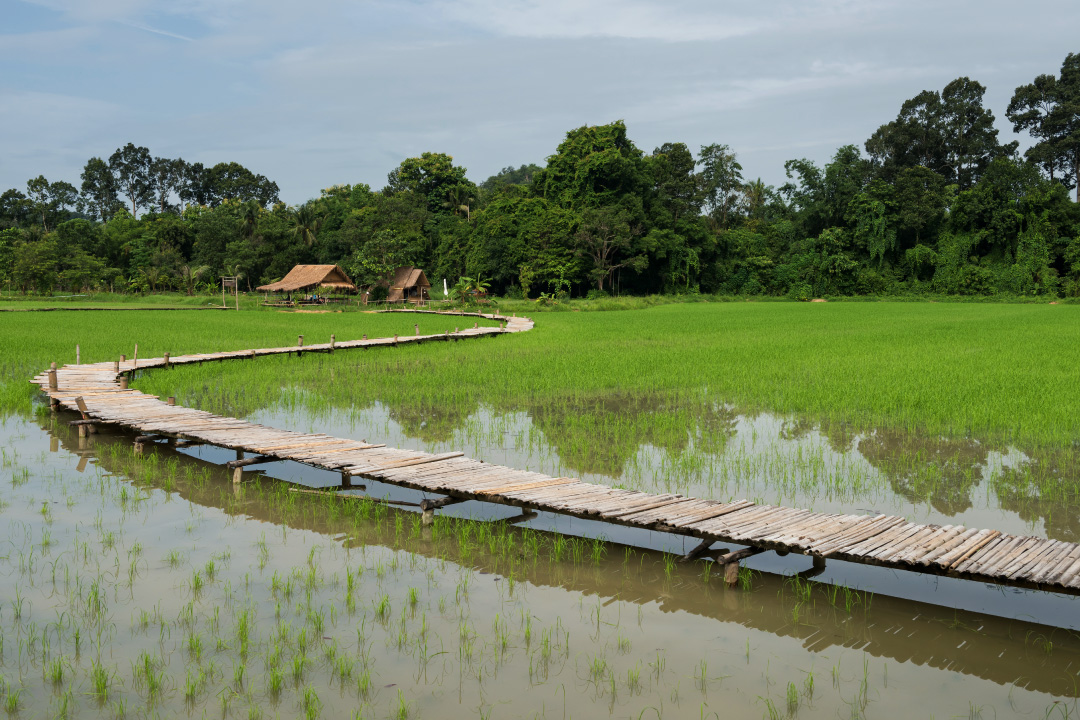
[322,92]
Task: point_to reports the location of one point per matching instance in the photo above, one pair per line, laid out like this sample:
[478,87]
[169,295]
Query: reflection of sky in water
[627,614]
[724,455]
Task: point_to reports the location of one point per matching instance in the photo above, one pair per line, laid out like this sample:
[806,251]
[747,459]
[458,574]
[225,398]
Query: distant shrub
[801,292]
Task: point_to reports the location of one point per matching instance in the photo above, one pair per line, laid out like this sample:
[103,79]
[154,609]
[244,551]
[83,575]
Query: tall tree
[1067,116]
[606,237]
[970,136]
[233,181]
[949,132]
[130,165]
[676,186]
[594,166]
[166,179]
[721,182]
[99,189]
[14,208]
[432,176]
[1033,109]
[50,201]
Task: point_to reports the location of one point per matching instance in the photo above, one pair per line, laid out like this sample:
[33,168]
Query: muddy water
[193,599]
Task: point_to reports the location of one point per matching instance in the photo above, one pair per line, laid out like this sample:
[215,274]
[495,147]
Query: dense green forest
[933,203]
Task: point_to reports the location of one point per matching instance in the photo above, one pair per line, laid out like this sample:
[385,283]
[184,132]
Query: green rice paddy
[1004,373]
[150,586]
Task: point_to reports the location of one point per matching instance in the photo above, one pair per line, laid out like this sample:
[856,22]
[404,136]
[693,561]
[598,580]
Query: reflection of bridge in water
[99,392]
[991,648]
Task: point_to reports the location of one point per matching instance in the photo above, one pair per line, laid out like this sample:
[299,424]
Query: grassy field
[30,341]
[1004,373]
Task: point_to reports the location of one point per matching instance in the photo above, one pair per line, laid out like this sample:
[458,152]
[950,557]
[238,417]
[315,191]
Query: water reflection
[664,443]
[1005,652]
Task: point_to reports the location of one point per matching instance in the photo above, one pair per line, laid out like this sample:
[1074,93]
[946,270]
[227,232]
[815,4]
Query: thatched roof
[406,279]
[308,277]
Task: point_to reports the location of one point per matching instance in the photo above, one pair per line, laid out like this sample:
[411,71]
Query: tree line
[933,202]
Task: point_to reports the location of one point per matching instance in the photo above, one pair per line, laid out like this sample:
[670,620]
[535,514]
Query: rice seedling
[311,704]
[675,440]
[792,699]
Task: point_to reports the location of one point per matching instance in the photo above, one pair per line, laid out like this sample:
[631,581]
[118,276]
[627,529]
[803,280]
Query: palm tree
[755,193]
[306,224]
[249,219]
[189,276]
[458,199]
[153,276]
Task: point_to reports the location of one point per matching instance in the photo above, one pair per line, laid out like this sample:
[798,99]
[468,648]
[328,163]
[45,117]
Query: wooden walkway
[98,391]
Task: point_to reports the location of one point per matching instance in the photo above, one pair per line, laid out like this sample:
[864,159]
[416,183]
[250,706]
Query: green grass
[1004,373]
[30,341]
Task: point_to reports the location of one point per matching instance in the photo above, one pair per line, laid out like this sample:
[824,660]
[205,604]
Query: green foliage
[935,204]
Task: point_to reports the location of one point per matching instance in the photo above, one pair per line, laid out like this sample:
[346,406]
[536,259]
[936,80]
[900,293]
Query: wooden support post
[731,563]
[116,366]
[456,328]
[698,551]
[135,358]
[476,326]
[731,574]
[237,475]
[78,357]
[123,382]
[333,341]
[52,378]
[172,400]
[166,356]
[244,462]
[819,562]
[299,344]
[239,454]
[90,430]
[416,327]
[429,504]
[346,480]
[141,440]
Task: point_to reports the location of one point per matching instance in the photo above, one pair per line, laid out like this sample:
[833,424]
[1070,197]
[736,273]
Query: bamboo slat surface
[978,554]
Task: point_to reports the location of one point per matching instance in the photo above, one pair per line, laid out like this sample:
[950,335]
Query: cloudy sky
[322,92]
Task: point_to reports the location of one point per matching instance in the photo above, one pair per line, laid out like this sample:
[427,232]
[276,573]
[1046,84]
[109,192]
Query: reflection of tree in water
[432,422]
[935,470]
[840,435]
[1045,488]
[599,434]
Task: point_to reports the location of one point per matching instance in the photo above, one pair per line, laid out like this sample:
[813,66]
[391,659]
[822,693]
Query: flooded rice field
[150,586]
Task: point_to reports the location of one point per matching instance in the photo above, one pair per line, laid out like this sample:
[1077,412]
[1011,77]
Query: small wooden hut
[409,284]
[305,282]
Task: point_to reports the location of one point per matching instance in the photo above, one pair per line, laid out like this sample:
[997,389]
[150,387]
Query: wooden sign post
[230,282]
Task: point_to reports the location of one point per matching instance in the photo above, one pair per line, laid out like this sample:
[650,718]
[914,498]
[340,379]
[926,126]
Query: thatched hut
[304,279]
[409,284]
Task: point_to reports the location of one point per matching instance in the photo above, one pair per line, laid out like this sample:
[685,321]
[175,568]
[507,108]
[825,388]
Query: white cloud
[600,18]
